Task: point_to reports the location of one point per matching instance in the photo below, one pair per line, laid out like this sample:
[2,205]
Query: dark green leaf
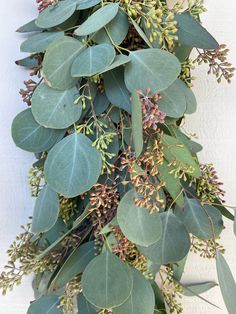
[40,42]
[203,221]
[28,62]
[101,103]
[84,306]
[48,304]
[58,60]
[137,224]
[137,123]
[174,243]
[98,20]
[73,166]
[114,284]
[226,282]
[93,60]
[141,300]
[46,211]
[116,90]
[118,61]
[159,68]
[192,34]
[55,109]
[29,135]
[74,265]
[198,288]
[115,31]
[56,14]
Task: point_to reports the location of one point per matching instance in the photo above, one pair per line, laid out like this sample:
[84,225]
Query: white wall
[214,123]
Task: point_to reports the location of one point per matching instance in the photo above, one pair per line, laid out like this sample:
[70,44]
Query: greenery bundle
[121,198]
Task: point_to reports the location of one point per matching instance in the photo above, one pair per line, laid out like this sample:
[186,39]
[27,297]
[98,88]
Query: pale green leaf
[74,264]
[141,33]
[29,135]
[29,27]
[86,4]
[40,42]
[93,60]
[203,221]
[137,123]
[58,60]
[137,224]
[159,68]
[56,14]
[226,282]
[98,20]
[47,304]
[118,61]
[191,33]
[73,166]
[198,288]
[55,109]
[174,243]
[141,300]
[114,284]
[46,210]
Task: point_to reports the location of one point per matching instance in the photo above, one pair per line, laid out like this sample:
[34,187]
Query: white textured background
[214,123]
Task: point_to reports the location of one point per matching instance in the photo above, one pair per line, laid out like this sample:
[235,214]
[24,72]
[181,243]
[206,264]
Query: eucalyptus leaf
[58,61]
[74,264]
[191,33]
[141,300]
[174,243]
[114,284]
[226,282]
[174,150]
[47,304]
[56,14]
[116,90]
[55,109]
[98,19]
[29,27]
[141,33]
[46,211]
[115,31]
[93,60]
[199,288]
[203,221]
[159,68]
[84,306]
[137,124]
[137,224]
[86,4]
[73,166]
[173,101]
[28,62]
[40,42]
[235,222]
[29,135]
[118,61]
[178,269]
[101,103]
[172,184]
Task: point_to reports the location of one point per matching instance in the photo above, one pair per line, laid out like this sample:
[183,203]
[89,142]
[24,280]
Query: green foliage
[118,183]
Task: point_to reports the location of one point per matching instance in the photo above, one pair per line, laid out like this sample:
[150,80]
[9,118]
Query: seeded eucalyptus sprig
[121,197]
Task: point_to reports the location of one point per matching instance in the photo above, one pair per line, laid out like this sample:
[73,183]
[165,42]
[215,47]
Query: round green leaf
[48,304]
[93,60]
[40,42]
[107,281]
[116,90]
[98,20]
[75,264]
[86,4]
[46,210]
[58,60]
[29,135]
[84,306]
[173,101]
[137,224]
[73,166]
[55,109]
[117,30]
[198,219]
[174,244]
[159,68]
[142,298]
[56,14]
[118,61]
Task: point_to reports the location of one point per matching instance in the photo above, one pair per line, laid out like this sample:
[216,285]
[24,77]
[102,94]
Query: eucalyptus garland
[121,197]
